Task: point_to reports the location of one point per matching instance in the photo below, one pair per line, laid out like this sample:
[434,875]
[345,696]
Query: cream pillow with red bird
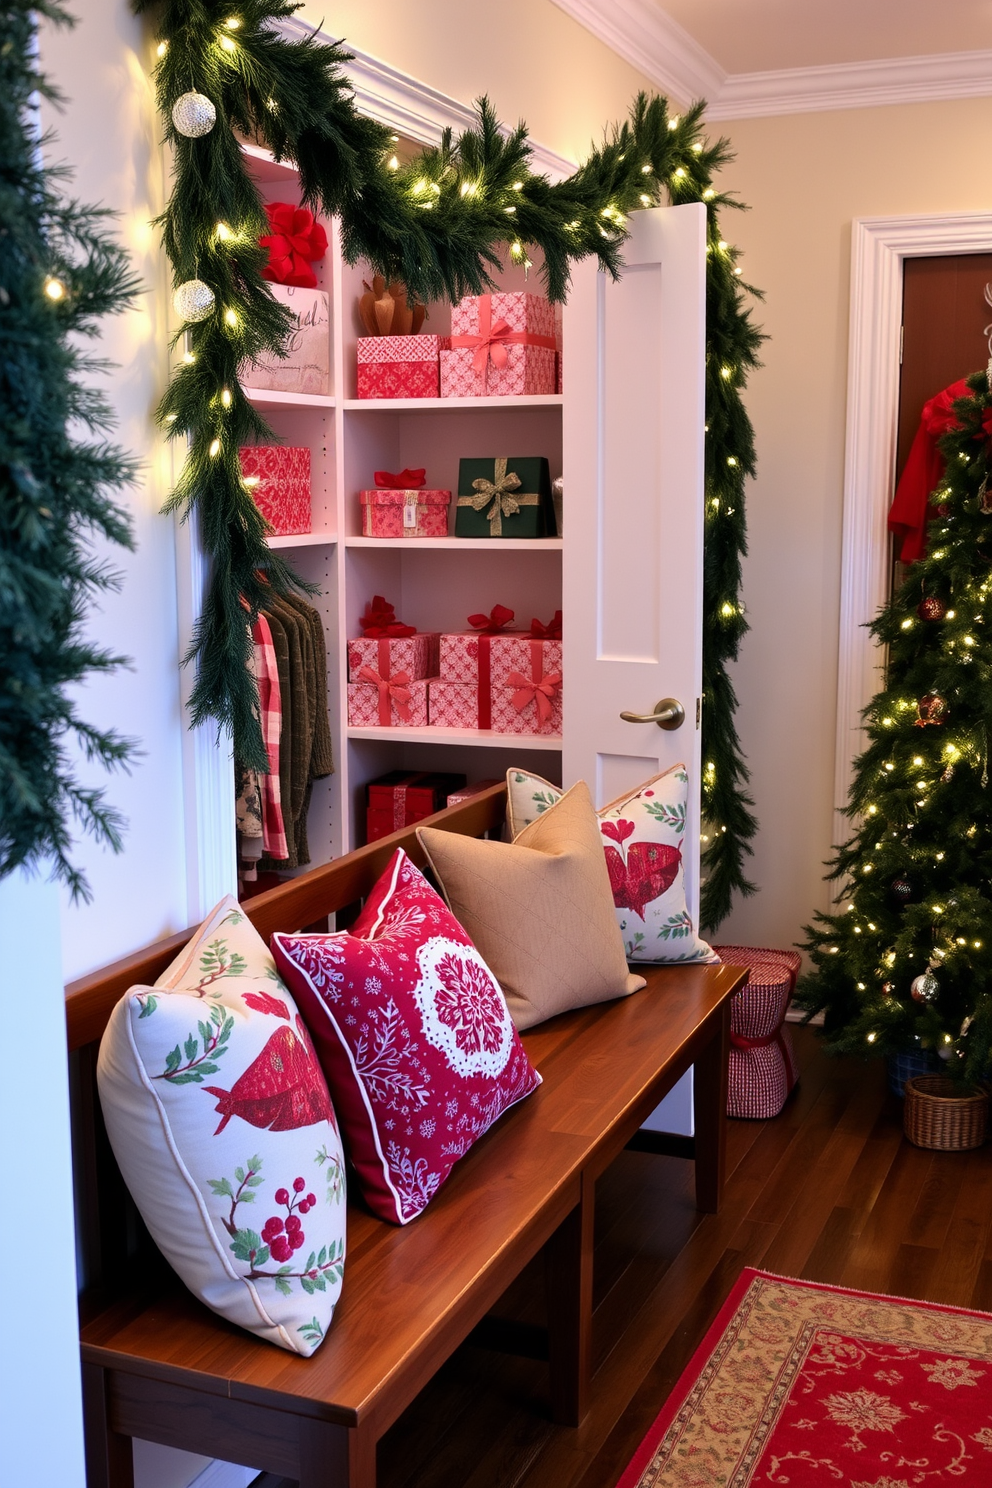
[642,836]
[221,1122]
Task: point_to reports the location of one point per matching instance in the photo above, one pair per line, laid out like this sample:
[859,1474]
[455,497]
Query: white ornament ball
[193,115]
[925,987]
[193,300]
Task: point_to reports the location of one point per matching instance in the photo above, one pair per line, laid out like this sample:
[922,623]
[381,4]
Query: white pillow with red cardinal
[221,1123]
[642,838]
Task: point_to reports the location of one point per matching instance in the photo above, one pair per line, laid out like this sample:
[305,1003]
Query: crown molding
[412,108]
[644,35]
[805,90]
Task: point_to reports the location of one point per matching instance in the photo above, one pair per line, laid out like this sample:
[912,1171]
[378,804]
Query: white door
[633,552]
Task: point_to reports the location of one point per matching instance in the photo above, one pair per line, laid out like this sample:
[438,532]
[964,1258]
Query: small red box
[399,366]
[278,476]
[384,706]
[401,798]
[388,513]
[415,655]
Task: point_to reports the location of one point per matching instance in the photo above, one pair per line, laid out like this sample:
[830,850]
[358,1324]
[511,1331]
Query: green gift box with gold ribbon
[505,497]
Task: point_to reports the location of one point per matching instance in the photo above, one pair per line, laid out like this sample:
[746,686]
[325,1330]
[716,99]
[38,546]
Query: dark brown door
[944,313]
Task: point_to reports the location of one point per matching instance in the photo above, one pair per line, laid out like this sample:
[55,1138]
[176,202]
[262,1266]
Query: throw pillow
[222,1125]
[414,1036]
[642,837]
[539,909]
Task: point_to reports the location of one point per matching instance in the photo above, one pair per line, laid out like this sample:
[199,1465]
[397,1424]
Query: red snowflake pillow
[414,1035]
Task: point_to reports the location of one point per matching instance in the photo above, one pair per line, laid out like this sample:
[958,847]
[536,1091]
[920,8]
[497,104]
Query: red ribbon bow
[540,690]
[549,632]
[498,619]
[492,340]
[406,480]
[380,620]
[295,241]
[392,690]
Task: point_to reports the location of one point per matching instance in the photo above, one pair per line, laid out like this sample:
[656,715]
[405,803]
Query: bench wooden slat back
[292,906]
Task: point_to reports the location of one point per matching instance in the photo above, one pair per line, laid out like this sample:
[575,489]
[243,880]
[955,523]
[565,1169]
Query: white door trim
[878,248]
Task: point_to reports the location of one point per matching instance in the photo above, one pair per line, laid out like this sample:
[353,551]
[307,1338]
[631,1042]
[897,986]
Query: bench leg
[710,1105]
[336,1456]
[568,1273]
[109,1458]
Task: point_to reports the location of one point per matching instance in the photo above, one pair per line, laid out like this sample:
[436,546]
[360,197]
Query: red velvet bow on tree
[406,480]
[549,632]
[380,620]
[296,240]
[498,619]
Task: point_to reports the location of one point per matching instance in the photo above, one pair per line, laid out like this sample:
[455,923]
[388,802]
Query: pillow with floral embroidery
[414,1035]
[221,1123]
[642,838]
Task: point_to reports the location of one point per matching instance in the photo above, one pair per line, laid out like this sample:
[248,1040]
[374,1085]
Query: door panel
[633,472]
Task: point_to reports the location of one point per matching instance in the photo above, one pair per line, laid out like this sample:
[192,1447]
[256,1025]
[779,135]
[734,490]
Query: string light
[224,232]
[862,987]
[722,246]
[675,121]
[871,1038]
[214,450]
[225,397]
[709,194]
[161,49]
[394,164]
[680,173]
[731,460]
[907,625]
[232,23]
[726,372]
[229,44]
[231,317]
[54,288]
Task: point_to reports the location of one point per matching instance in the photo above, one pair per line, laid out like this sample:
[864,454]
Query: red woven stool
[763,1066]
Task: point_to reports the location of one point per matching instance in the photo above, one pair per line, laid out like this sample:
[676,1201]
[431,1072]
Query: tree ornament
[947,774]
[193,301]
[931,708]
[931,608]
[925,987]
[902,890]
[193,115]
[985,499]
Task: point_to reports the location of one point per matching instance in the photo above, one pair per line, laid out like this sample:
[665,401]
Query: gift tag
[410,509]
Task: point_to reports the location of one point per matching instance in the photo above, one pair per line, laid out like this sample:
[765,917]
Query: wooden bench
[159,1366]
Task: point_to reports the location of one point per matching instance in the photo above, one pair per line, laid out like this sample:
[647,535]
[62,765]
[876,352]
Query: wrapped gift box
[306,367]
[402,798]
[763,1067]
[507,496]
[501,344]
[558,350]
[399,366]
[399,702]
[516,688]
[278,476]
[388,513]
[416,655]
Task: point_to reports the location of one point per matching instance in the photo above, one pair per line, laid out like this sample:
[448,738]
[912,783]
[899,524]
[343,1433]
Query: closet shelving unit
[435,583]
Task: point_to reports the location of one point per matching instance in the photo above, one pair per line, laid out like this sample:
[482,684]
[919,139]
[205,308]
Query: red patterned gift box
[396,702]
[515,688]
[402,798]
[278,476]
[468,791]
[501,345]
[400,506]
[558,350]
[399,366]
[763,1067]
[384,656]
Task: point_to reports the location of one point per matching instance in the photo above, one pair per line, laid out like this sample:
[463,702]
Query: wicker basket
[941,1114]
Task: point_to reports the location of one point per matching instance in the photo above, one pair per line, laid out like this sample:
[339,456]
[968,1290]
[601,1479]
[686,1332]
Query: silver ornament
[193,300]
[194,115]
[925,987]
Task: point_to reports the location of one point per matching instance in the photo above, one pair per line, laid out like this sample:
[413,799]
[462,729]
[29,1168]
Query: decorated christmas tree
[905,962]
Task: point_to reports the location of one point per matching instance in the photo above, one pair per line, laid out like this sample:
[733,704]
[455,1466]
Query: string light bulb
[228,43]
[225,397]
[161,49]
[231,316]
[214,450]
[54,288]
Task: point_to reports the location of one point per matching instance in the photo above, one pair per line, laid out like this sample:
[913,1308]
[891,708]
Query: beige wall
[806,178]
[533,60]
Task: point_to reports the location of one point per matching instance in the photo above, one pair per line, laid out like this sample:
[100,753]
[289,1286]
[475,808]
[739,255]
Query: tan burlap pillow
[539,910]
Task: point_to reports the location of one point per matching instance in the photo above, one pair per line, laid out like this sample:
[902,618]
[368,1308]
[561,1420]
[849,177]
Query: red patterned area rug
[798,1385]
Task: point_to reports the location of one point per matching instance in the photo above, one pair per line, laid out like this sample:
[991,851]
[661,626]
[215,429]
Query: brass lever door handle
[668,714]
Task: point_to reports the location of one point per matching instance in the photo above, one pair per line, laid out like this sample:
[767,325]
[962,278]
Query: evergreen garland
[906,961]
[60,273]
[438,224]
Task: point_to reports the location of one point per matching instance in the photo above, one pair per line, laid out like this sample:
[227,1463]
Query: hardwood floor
[829,1191]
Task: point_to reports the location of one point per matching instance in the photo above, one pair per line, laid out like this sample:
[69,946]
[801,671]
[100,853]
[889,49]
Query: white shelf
[462,405]
[482,738]
[304,540]
[273,398]
[461,544]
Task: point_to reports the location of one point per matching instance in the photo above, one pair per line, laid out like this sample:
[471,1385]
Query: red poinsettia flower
[296,241]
